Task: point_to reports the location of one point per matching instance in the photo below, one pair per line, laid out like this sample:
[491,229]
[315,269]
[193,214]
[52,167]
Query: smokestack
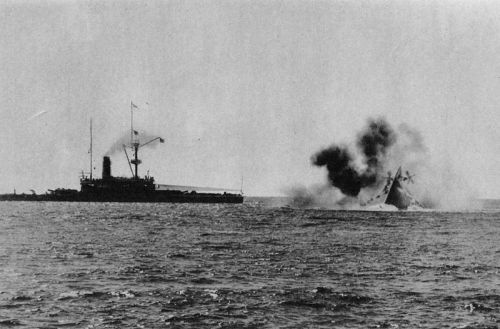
[106,167]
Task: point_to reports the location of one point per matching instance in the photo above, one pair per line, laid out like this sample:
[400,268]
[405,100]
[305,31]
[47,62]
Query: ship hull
[397,195]
[158,197]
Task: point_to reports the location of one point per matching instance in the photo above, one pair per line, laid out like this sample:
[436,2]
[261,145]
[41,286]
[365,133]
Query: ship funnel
[106,167]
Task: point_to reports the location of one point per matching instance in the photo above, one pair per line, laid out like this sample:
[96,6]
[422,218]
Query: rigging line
[128,160]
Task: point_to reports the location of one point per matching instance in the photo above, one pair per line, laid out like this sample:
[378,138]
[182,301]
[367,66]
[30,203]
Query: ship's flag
[162,140]
[136,132]
[133,105]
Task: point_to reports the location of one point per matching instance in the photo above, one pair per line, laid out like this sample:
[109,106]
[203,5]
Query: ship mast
[135,161]
[134,143]
[90,149]
[131,122]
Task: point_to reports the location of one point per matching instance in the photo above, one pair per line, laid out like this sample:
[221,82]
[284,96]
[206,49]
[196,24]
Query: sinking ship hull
[397,195]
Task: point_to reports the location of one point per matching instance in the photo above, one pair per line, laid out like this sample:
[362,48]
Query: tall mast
[134,144]
[90,149]
[131,123]
[136,161]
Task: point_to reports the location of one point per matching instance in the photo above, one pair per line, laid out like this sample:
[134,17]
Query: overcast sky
[243,88]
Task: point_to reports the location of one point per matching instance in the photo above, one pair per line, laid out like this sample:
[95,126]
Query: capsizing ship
[130,189]
[395,194]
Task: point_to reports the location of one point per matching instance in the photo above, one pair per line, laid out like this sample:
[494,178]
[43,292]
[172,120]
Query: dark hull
[153,197]
[397,197]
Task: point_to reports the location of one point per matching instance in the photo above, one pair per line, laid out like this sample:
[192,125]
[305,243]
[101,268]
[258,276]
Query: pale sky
[243,88]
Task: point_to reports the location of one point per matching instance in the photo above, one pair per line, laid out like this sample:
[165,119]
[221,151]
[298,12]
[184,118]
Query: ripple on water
[245,266]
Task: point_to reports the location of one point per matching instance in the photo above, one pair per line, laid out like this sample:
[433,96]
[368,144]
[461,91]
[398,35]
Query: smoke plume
[344,172]
[357,172]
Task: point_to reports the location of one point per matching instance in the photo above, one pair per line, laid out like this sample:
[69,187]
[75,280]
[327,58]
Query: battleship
[109,188]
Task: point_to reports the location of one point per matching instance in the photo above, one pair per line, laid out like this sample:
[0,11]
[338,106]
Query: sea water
[253,265]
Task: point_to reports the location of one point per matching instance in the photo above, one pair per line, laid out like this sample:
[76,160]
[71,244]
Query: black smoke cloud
[358,171]
[344,172]
[341,173]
